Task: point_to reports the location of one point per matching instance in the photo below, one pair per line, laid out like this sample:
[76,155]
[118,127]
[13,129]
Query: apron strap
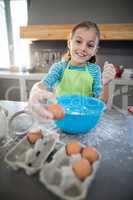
[85,65]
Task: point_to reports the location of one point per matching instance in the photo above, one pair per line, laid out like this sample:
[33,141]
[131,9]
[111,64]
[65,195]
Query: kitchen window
[4,60]
[14,51]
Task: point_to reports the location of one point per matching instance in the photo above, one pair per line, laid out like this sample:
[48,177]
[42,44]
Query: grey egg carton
[59,178]
[31,157]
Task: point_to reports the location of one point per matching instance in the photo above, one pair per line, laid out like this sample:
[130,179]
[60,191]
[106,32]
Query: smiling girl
[76,75]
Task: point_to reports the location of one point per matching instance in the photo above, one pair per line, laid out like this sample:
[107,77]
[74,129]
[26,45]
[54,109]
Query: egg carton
[59,177]
[31,157]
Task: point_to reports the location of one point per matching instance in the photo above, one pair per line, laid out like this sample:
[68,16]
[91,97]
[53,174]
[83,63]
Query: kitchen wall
[73,11]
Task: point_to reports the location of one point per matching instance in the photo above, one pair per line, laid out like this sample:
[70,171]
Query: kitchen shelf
[123,31]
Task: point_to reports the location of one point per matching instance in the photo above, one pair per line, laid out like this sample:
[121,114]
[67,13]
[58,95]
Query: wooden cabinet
[122,31]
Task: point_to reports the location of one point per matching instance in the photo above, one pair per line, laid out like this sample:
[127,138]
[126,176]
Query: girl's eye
[90,45]
[78,41]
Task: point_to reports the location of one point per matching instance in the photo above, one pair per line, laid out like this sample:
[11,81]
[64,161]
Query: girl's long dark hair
[88,25]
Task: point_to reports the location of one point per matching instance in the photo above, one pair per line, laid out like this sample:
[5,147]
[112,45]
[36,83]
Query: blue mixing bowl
[82,113]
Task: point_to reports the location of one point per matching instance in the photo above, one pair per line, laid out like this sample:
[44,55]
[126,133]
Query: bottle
[119,70]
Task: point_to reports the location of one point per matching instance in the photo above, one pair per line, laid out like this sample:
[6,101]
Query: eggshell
[90,153]
[56,110]
[34,134]
[73,147]
[82,168]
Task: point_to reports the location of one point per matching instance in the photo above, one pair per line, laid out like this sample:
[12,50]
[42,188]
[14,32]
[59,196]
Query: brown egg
[90,153]
[73,147]
[34,134]
[82,168]
[56,110]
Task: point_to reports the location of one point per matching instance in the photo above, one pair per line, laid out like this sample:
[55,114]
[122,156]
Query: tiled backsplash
[44,53]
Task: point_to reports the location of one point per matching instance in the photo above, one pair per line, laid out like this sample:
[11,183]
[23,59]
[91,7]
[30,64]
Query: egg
[82,168]
[34,134]
[56,110]
[73,147]
[90,153]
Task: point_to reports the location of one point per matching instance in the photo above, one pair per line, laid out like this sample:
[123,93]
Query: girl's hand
[108,73]
[37,102]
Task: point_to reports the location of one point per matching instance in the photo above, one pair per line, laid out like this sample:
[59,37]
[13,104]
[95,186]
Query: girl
[77,75]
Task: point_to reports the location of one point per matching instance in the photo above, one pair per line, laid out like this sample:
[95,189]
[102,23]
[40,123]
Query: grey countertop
[114,178]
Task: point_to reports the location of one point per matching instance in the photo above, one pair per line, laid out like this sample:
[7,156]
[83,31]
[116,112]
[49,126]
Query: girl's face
[82,45]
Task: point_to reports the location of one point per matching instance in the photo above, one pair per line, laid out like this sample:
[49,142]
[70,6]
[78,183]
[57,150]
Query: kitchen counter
[114,177]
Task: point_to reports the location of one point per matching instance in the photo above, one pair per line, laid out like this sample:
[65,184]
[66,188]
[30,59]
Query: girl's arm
[105,93]
[107,76]
[41,92]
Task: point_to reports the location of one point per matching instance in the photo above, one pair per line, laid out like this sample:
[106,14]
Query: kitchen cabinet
[123,91]
[22,78]
[123,31]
